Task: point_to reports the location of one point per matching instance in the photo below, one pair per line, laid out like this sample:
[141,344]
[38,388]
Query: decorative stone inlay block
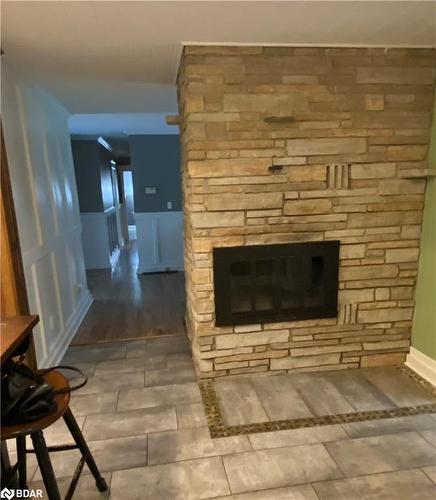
[356,120]
[322,146]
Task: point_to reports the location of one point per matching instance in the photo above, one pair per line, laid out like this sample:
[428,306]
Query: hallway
[130,306]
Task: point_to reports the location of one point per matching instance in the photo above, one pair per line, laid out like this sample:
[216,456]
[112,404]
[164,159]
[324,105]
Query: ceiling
[121,57]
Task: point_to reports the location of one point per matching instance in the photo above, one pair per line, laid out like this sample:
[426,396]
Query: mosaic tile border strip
[218,429]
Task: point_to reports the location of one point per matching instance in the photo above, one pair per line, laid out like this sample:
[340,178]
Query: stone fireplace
[304,145]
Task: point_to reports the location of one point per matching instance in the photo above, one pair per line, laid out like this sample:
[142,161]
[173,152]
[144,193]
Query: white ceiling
[122,56]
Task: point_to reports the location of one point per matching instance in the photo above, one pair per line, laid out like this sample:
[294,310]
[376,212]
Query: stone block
[217,219]
[232,167]
[271,103]
[307,207]
[326,146]
[385,315]
[251,339]
[394,358]
[368,272]
[372,171]
[396,75]
[352,251]
[243,201]
[355,296]
[389,344]
[407,152]
[307,173]
[374,102]
[313,351]
[290,362]
[402,255]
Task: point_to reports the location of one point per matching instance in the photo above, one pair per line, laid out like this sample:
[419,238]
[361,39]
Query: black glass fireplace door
[267,283]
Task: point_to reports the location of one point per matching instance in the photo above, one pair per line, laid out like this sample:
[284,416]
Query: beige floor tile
[179,359]
[430,435]
[85,490]
[266,469]
[431,472]
[109,382]
[304,492]
[377,454]
[159,396]
[189,480]
[389,426]
[130,365]
[295,437]
[88,404]
[191,415]
[110,455]
[186,444]
[130,423]
[174,375]
[89,353]
[402,485]
[239,403]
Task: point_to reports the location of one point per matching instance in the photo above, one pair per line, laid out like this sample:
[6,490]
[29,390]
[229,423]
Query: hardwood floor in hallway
[130,306]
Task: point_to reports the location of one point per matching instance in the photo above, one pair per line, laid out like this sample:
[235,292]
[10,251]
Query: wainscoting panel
[160,241]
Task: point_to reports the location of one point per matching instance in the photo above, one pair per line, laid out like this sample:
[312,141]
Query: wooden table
[14,331]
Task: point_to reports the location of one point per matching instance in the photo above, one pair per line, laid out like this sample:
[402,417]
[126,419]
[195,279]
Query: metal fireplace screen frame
[272,283]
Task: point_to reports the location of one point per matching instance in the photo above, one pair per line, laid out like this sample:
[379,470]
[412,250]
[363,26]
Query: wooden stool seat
[57,381]
[35,431]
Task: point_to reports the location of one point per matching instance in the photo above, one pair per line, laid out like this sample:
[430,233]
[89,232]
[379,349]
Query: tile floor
[265,398]
[143,417]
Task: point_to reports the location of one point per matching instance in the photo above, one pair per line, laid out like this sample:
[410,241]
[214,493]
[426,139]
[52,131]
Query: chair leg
[45,466]
[83,447]
[22,461]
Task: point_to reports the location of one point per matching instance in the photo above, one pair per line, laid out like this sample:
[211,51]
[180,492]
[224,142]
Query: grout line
[333,459]
[426,475]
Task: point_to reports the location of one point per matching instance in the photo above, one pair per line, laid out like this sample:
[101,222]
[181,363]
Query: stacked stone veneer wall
[360,127]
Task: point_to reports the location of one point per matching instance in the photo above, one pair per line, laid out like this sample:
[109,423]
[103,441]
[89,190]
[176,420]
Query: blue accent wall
[155,161]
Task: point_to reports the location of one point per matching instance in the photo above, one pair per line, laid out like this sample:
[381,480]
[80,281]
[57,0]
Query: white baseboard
[422,365]
[114,257]
[57,352]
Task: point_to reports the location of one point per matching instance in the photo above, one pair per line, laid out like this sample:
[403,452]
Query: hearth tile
[186,444]
[189,480]
[398,387]
[280,398]
[173,375]
[382,453]
[358,391]
[303,492]
[239,403]
[279,467]
[320,395]
[93,353]
[295,437]
[408,484]
[389,426]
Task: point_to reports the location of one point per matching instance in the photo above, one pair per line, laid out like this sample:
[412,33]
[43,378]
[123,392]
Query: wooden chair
[41,450]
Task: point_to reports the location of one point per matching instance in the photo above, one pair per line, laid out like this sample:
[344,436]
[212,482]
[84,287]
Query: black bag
[26,396]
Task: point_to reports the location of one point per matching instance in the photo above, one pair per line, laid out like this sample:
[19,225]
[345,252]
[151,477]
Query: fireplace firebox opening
[272,283]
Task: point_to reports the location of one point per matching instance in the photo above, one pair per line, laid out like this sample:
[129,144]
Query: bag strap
[67,390]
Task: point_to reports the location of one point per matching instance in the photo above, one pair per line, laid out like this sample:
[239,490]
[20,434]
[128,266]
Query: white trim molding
[422,364]
[58,350]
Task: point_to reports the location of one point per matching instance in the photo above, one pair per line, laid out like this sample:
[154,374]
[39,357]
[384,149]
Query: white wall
[160,241]
[44,188]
